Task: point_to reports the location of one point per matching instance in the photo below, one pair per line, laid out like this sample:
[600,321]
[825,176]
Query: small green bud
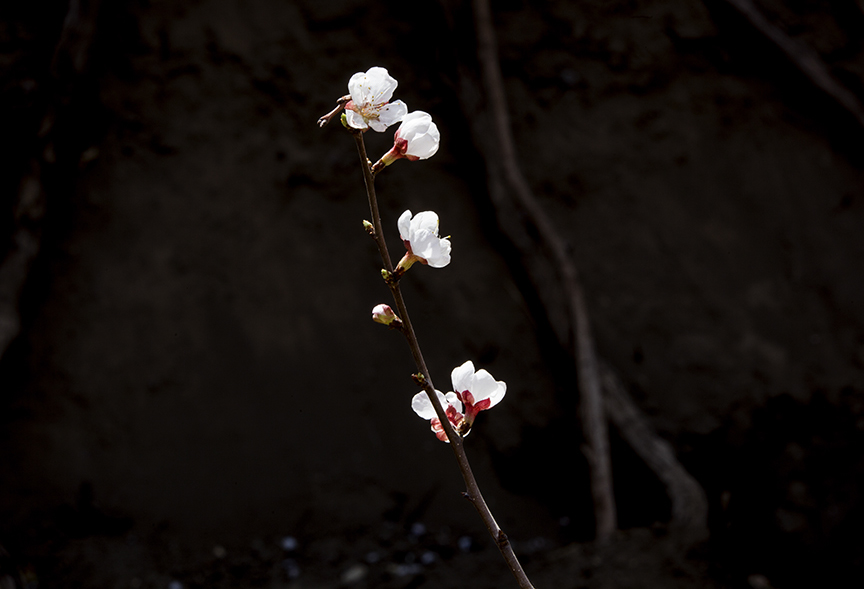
[391,278]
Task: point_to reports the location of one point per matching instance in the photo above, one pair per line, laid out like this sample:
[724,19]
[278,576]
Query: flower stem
[340,104]
[472,493]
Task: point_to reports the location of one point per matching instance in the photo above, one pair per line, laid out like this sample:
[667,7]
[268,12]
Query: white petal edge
[422,406]
[392,113]
[462,377]
[499,393]
[424,244]
[405,225]
[442,255]
[375,86]
[414,123]
[453,400]
[356,87]
[382,83]
[486,387]
[424,146]
[427,220]
[355,119]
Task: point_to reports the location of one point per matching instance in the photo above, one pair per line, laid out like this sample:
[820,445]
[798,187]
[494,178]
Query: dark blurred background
[195,393]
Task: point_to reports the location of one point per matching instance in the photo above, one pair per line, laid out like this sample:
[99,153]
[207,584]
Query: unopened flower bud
[384,315]
[416,139]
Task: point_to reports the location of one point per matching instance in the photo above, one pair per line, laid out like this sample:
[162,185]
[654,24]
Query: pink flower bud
[383,314]
[416,139]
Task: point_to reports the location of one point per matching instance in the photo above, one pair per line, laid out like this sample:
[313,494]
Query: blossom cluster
[368,106]
[474,392]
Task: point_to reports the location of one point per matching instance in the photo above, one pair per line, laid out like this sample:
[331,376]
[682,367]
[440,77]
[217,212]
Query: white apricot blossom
[422,406]
[416,139]
[477,390]
[370,104]
[420,236]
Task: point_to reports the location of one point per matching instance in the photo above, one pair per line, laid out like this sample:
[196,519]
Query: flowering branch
[368,106]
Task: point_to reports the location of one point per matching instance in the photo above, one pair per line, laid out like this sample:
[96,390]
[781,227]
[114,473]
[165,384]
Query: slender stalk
[472,492]
[340,104]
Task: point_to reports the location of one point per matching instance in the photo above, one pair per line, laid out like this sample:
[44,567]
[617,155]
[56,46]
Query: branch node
[340,104]
[502,540]
[391,278]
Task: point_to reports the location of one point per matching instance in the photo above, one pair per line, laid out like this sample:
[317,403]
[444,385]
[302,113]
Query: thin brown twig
[340,104]
[592,413]
[472,493]
[689,503]
[804,58]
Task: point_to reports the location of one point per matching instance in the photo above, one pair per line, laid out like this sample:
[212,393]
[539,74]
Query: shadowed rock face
[198,364]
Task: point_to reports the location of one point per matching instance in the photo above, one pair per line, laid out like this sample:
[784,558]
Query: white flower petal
[377,125]
[382,83]
[422,406]
[486,387]
[463,377]
[424,146]
[376,86]
[393,112]
[441,256]
[355,119]
[414,124]
[358,88]
[405,225]
[498,394]
[454,400]
[424,244]
[420,133]
[483,385]
[425,221]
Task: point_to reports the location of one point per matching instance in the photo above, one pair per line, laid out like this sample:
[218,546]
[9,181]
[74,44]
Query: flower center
[368,111]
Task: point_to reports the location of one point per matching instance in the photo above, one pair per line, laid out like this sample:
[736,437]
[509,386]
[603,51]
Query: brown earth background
[199,399]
